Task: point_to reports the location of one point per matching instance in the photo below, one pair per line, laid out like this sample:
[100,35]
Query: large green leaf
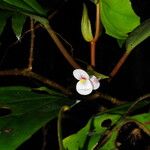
[144,119]
[18,21]
[27,112]
[96,131]
[25,7]
[139,120]
[118,17]
[3,4]
[138,35]
[31,7]
[21,5]
[11,8]
[88,136]
[36,6]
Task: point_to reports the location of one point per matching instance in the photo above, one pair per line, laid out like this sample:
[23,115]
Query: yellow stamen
[82,81]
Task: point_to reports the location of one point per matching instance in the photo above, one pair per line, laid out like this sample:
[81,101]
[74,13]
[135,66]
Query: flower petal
[95,82]
[84,88]
[80,74]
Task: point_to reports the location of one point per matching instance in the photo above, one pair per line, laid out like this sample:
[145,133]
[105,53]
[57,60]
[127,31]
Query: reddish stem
[96,36]
[119,64]
[93,46]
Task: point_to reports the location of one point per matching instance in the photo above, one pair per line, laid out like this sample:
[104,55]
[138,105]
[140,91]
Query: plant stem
[37,26]
[28,73]
[119,65]
[93,47]
[60,46]
[97,23]
[44,131]
[146,96]
[59,122]
[96,36]
[30,61]
[109,98]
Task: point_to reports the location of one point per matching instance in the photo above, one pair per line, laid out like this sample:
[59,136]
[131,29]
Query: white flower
[86,84]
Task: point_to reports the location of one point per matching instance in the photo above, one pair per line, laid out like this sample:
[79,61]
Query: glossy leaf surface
[18,21]
[101,132]
[26,6]
[23,111]
[138,35]
[118,18]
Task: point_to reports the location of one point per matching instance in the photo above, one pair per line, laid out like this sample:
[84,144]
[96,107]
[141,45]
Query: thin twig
[109,98]
[59,128]
[37,26]
[61,47]
[47,82]
[136,102]
[65,40]
[53,14]
[30,61]
[44,131]
[33,75]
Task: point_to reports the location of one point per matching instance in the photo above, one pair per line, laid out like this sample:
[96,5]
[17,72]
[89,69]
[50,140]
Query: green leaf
[3,18]
[143,119]
[138,35]
[94,132]
[18,21]
[91,71]
[28,110]
[88,136]
[11,8]
[31,7]
[137,119]
[36,6]
[3,4]
[86,25]
[111,142]
[118,18]
[19,4]
[74,142]
[47,90]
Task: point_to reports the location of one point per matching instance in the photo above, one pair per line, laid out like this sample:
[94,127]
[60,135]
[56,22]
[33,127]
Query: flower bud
[86,25]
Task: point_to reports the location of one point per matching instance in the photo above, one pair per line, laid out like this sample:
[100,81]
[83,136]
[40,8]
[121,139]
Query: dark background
[131,82]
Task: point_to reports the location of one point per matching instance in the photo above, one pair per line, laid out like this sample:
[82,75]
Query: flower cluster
[86,83]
